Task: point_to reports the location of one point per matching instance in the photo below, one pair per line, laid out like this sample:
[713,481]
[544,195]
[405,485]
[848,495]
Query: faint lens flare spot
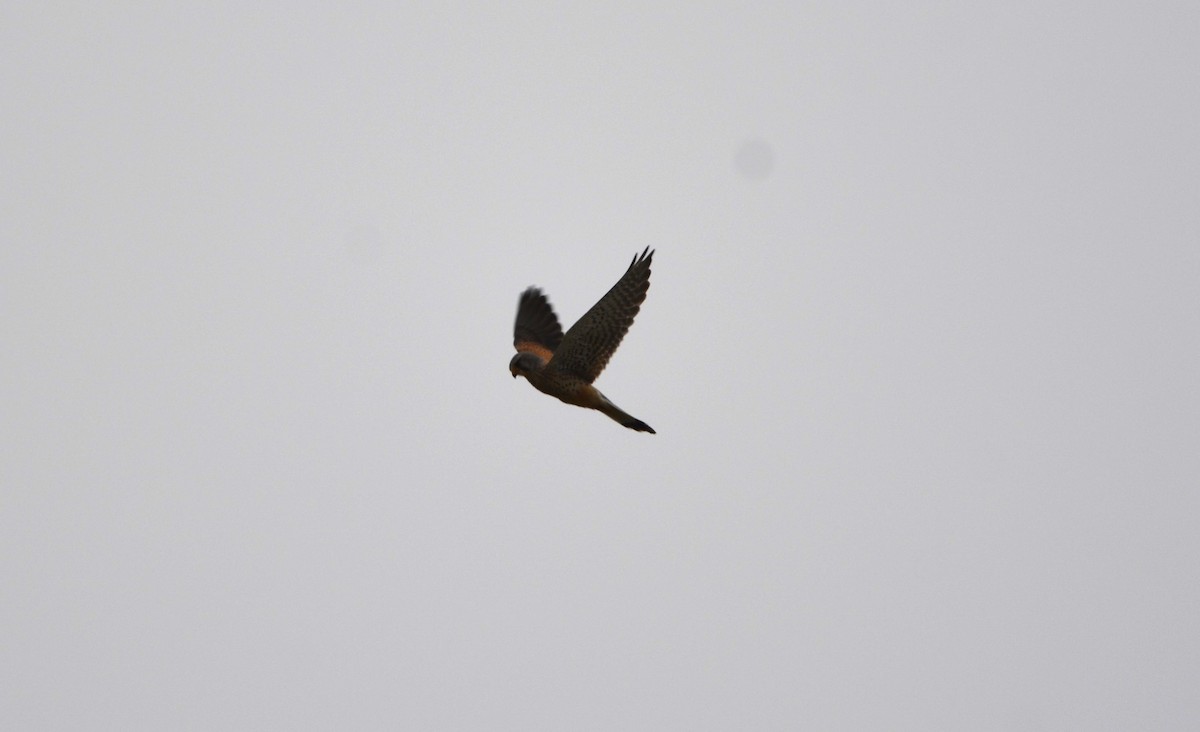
[755,159]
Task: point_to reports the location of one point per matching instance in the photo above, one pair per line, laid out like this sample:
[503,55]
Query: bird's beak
[514,374]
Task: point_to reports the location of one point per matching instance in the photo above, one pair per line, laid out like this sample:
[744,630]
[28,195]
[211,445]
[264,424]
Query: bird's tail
[624,418]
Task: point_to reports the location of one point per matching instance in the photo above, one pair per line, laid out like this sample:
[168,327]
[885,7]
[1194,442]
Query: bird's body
[565,365]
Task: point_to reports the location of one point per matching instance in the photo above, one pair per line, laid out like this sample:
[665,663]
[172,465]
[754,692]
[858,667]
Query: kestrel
[565,366]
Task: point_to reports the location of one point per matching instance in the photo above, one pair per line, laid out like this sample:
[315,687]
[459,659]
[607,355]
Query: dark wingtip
[646,256]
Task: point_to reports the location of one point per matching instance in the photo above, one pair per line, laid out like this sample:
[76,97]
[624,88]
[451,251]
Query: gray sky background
[921,348]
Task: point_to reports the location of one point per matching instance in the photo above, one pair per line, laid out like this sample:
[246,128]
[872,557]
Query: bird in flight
[565,366]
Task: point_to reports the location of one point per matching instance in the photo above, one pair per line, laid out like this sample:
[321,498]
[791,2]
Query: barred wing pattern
[589,344]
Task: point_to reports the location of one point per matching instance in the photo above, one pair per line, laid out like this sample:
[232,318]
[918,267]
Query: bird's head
[524,364]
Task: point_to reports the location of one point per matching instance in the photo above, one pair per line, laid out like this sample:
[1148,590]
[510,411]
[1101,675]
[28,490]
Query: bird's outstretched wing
[537,329]
[591,342]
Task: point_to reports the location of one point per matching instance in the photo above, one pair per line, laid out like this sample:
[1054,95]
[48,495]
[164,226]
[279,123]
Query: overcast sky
[921,348]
